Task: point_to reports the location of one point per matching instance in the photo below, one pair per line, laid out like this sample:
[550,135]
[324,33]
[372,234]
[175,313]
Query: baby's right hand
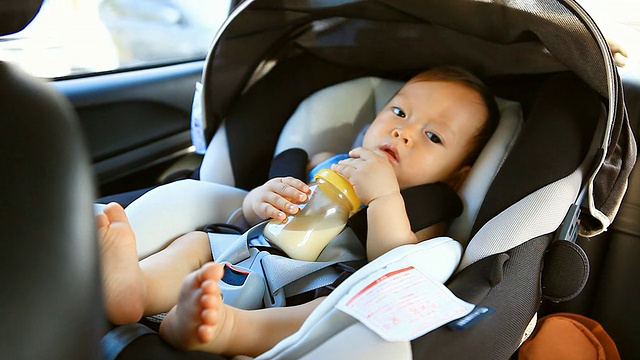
[277,198]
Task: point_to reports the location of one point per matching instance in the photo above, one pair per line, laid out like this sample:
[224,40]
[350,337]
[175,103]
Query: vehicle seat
[51,289]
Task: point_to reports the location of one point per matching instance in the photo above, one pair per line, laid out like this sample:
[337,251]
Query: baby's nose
[398,133]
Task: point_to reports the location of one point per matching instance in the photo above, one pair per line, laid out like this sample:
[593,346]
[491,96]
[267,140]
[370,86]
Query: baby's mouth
[391,154]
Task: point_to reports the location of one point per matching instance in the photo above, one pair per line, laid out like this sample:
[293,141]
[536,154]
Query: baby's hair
[461,76]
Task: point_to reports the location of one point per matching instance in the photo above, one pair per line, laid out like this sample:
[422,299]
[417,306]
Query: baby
[431,131]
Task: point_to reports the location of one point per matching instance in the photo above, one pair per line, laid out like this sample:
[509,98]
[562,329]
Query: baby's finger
[344,169]
[270,211]
[289,188]
[281,203]
[355,153]
[374,155]
[298,184]
[361,153]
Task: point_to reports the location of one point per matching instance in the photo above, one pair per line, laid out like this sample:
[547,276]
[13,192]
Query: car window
[619,21]
[75,37]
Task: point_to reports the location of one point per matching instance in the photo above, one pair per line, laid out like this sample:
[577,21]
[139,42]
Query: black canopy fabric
[397,38]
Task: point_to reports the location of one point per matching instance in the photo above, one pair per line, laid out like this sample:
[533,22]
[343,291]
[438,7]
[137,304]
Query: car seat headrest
[330,120]
[15,15]
[487,165]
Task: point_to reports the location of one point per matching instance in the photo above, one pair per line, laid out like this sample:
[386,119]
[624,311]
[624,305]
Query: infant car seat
[566,171]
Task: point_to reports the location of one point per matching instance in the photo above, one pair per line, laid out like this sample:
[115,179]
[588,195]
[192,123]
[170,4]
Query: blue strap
[326,164]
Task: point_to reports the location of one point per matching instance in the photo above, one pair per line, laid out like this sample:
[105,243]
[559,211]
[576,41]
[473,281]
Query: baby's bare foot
[122,279]
[200,320]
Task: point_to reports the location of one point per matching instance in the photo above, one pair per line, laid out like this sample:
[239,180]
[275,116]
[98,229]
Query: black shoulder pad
[291,162]
[426,205]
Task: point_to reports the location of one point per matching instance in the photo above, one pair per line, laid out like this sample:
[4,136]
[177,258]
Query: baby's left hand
[370,173]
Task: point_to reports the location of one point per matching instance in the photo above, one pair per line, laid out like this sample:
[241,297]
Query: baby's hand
[370,173]
[277,198]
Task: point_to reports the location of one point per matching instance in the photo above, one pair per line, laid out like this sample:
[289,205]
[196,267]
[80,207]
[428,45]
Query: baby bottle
[304,235]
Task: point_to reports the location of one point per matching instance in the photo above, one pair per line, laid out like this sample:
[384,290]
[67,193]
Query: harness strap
[284,271]
[426,205]
[285,277]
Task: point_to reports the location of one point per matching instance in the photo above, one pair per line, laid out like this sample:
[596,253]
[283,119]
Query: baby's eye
[396,110]
[433,137]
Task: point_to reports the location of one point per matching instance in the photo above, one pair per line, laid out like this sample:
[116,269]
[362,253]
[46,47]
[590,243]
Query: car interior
[112,137]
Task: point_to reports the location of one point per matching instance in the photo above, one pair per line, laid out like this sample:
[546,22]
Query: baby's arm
[388,225]
[276,199]
[376,185]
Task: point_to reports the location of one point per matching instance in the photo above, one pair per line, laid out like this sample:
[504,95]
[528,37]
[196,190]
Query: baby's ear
[457,179]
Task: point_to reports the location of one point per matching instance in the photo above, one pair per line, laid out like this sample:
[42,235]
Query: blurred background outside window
[619,21]
[74,37]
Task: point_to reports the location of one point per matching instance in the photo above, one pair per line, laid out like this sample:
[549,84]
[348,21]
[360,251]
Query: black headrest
[15,15]
[49,270]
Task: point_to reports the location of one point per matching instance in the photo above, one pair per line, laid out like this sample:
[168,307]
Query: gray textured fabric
[609,184]
[284,276]
[529,218]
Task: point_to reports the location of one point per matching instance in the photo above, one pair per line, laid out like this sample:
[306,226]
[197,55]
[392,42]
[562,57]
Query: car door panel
[136,123]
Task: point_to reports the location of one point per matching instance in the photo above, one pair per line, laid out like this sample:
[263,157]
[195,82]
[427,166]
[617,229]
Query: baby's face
[426,130]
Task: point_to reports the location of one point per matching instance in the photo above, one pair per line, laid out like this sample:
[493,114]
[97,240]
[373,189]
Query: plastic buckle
[246,286]
[241,287]
[569,229]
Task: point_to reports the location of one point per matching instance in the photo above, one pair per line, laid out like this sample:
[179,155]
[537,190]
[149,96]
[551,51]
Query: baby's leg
[123,281]
[201,321]
[133,289]
[200,318]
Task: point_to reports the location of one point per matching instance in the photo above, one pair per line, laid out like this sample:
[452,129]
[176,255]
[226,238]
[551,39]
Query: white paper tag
[402,303]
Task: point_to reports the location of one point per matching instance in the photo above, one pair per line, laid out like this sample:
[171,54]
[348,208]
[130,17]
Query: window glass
[73,37]
[619,21]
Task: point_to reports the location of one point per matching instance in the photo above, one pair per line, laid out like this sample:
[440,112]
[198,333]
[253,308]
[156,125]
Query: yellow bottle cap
[342,184]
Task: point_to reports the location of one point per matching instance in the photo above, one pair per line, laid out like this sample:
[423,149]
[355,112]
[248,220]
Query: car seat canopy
[395,39]
[401,37]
